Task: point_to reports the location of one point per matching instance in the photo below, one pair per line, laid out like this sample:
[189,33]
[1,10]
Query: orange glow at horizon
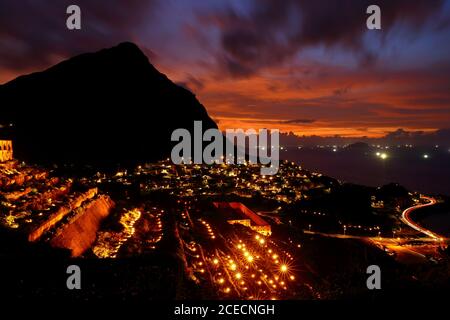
[347,102]
[316,130]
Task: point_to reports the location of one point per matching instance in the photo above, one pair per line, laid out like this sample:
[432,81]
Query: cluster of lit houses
[291,183]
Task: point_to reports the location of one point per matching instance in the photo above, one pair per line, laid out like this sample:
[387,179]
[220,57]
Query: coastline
[437,220]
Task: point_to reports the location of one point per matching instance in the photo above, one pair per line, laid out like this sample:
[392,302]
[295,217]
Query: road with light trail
[406,218]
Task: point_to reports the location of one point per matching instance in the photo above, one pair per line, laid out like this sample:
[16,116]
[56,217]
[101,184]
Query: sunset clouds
[310,67]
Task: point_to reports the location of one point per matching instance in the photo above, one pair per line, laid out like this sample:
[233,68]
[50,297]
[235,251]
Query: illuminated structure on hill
[6,150]
[238,213]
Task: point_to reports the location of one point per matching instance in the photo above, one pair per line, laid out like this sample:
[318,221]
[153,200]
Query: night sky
[310,67]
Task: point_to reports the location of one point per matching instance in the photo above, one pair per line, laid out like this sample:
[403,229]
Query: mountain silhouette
[107,107]
[359,146]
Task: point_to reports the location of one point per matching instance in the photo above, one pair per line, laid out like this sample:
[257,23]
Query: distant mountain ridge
[104,107]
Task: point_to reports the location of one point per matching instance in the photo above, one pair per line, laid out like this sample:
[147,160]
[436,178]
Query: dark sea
[438,222]
[426,170]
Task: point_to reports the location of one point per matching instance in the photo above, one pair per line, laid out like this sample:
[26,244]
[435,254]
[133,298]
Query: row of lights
[209,229]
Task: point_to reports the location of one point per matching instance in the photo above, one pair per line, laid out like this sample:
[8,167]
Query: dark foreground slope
[105,107]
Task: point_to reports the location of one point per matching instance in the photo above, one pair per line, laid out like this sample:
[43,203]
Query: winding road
[406,218]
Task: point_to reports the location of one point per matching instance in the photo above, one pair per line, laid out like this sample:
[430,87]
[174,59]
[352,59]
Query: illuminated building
[239,214]
[6,150]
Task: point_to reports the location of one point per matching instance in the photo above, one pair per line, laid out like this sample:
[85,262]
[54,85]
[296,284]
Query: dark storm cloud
[274,31]
[441,136]
[298,121]
[33,33]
